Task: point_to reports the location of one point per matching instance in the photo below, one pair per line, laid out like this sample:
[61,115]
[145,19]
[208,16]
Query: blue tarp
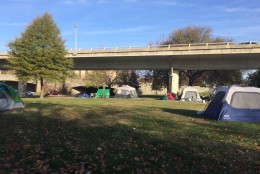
[2,88]
[83,96]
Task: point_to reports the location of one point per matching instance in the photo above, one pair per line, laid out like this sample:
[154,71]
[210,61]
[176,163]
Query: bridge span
[208,56]
[203,56]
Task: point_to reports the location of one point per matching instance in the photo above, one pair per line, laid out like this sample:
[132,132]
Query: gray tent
[126,91]
[190,94]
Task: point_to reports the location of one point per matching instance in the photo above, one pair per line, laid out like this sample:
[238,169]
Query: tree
[96,78]
[101,78]
[192,75]
[159,79]
[223,77]
[254,79]
[111,78]
[133,80]
[128,77]
[190,34]
[39,54]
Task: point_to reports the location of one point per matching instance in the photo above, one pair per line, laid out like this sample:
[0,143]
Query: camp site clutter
[170,96]
[234,104]
[9,99]
[124,91]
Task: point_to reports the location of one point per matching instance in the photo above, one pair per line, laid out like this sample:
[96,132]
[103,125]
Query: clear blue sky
[113,23]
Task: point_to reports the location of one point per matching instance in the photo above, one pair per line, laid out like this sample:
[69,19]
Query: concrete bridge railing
[191,46]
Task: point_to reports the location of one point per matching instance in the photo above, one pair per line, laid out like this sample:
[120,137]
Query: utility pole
[75,29]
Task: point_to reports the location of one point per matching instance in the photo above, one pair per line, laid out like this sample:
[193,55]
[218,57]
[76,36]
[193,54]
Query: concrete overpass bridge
[8,77]
[203,56]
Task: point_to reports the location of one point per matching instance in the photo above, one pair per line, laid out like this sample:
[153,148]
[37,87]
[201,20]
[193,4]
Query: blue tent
[235,104]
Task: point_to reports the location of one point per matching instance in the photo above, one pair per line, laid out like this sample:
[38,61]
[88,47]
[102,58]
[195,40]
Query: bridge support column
[82,74]
[38,86]
[173,81]
[22,88]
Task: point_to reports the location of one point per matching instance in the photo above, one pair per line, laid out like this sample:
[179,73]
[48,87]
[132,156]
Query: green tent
[103,93]
[9,99]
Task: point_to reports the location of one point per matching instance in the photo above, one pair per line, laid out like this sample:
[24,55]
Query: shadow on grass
[183,112]
[41,140]
[236,129]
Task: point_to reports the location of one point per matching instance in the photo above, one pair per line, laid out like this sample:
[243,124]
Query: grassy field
[72,135]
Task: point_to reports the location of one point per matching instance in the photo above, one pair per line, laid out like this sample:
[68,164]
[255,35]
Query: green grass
[69,135]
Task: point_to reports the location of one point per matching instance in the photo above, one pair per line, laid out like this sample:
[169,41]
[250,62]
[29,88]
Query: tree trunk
[42,88]
[191,81]
[194,75]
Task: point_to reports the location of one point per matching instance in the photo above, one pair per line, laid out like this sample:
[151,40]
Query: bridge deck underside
[205,62]
[165,62]
[3,63]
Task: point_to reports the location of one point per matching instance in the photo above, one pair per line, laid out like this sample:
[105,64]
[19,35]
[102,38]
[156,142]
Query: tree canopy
[254,78]
[100,78]
[39,54]
[190,34]
[159,79]
[223,77]
[128,77]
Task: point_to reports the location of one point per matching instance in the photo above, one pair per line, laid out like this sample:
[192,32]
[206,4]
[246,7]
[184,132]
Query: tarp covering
[103,93]
[9,99]
[235,104]
[126,91]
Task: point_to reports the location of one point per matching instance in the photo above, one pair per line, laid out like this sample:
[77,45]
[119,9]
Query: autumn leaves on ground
[69,135]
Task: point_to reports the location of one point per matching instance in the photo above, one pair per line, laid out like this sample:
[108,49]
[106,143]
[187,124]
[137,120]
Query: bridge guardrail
[194,45]
[173,47]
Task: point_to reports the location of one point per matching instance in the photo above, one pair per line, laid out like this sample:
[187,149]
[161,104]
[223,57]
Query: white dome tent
[190,94]
[126,91]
